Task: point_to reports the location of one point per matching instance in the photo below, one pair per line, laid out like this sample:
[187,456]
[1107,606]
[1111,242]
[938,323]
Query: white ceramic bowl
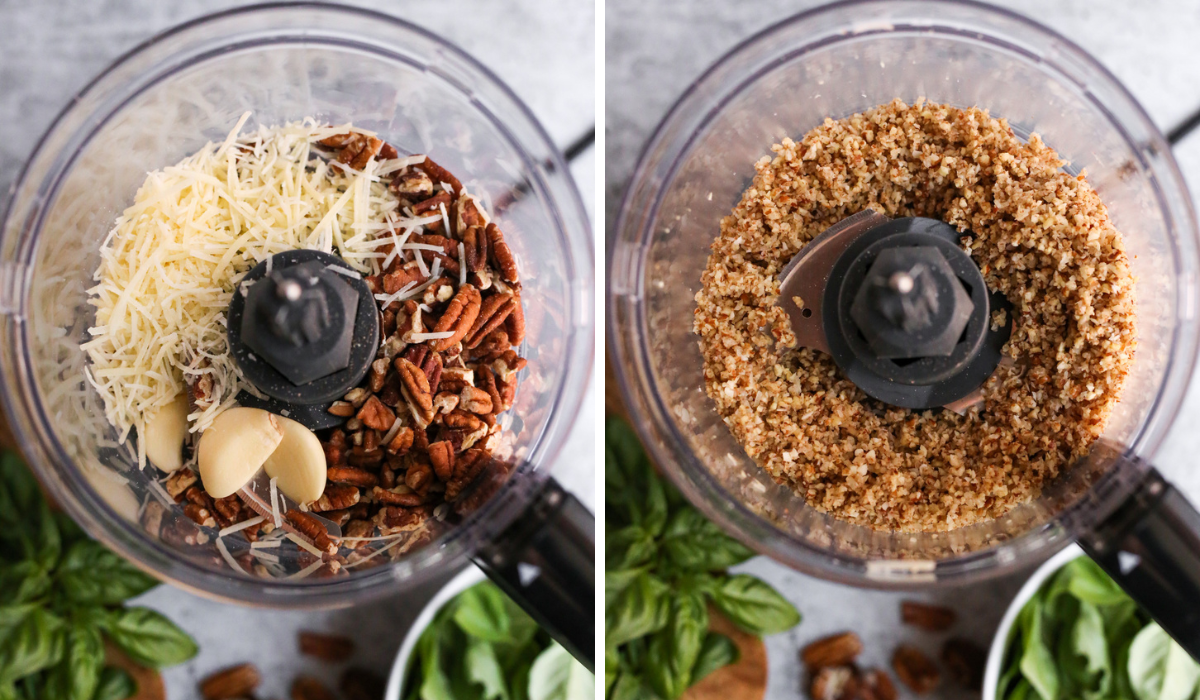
[991,676]
[469,577]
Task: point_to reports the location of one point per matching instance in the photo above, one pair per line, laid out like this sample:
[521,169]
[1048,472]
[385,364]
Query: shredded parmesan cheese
[168,268]
[462,264]
[303,544]
[228,557]
[307,571]
[238,527]
[420,337]
[275,516]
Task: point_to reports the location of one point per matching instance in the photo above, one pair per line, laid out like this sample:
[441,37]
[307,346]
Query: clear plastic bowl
[162,102]
[833,62]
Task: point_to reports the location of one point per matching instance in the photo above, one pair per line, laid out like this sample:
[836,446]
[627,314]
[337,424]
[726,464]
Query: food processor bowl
[164,101]
[833,62]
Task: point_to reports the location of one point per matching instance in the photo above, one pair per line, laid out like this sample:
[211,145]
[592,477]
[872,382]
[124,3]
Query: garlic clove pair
[243,440]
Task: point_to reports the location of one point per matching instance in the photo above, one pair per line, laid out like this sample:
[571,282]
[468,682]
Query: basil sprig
[665,564]
[481,646]
[61,595]
[1081,636]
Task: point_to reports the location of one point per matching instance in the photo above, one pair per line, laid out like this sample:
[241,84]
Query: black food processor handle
[1151,547]
[546,562]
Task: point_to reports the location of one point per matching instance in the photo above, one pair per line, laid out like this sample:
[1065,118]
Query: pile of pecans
[834,675]
[422,432]
[241,682]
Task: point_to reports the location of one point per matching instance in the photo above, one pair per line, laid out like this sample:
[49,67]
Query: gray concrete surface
[545,50]
[653,52]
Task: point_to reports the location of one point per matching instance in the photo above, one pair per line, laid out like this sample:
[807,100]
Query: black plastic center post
[302,334]
[907,315]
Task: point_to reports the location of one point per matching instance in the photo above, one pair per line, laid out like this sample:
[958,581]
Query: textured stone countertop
[51,48]
[654,50]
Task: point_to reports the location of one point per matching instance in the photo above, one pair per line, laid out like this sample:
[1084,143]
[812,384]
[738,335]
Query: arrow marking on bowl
[1127,561]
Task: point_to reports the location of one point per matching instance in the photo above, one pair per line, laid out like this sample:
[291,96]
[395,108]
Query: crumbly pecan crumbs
[1041,236]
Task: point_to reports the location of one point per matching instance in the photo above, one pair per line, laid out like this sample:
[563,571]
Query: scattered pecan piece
[375,415]
[342,409]
[199,515]
[833,683]
[460,317]
[337,497]
[309,688]
[351,475]
[501,255]
[179,482]
[229,683]
[441,457]
[311,529]
[964,661]
[475,248]
[467,469]
[932,618]
[834,650]
[400,278]
[419,476]
[401,495]
[439,174]
[445,402]
[413,183]
[326,647]
[914,669]
[515,324]
[433,205]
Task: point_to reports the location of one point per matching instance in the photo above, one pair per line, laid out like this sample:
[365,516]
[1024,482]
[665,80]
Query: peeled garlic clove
[234,447]
[298,464]
[165,434]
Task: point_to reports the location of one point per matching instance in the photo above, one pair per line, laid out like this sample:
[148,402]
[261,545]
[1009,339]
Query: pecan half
[445,402]
[475,248]
[401,519]
[412,183]
[502,256]
[466,213]
[415,388]
[401,277]
[441,456]
[433,205]
[487,382]
[965,662]
[493,312]
[351,475]
[515,324]
[460,317]
[375,378]
[476,401]
[342,409]
[401,442]
[336,497]
[914,669]
[326,647]
[932,618]
[200,515]
[833,683]
[312,529]
[375,415]
[834,650]
[467,469]
[309,688]
[439,174]
[419,475]
[401,495]
[179,482]
[233,682]
[455,379]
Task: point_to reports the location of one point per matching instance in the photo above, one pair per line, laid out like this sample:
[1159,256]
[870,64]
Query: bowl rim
[465,579]
[991,673]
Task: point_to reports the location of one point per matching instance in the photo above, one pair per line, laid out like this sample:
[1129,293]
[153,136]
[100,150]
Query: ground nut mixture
[1040,236]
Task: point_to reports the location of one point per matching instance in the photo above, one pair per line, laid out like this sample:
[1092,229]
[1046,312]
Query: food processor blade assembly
[900,307]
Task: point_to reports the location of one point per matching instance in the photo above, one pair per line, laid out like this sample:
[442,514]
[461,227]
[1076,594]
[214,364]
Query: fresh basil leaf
[629,687]
[1089,583]
[612,667]
[615,583]
[115,684]
[716,652]
[483,669]
[149,638]
[1037,662]
[1088,641]
[78,675]
[673,650]
[629,547]
[68,529]
[435,685]
[23,581]
[1159,669]
[754,606]
[1122,622]
[8,691]
[1022,691]
[480,611]
[640,610]
[636,494]
[42,540]
[90,574]
[556,675]
[692,542]
[19,491]
[33,643]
